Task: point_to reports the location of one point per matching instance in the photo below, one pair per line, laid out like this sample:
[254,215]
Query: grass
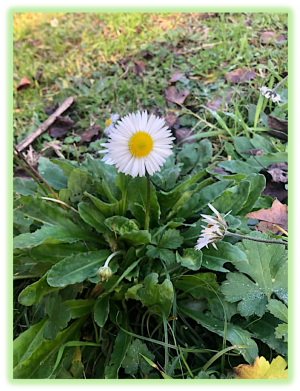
[91,56]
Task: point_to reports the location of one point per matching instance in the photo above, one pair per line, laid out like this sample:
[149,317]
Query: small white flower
[110,123]
[54,22]
[214,231]
[270,94]
[138,144]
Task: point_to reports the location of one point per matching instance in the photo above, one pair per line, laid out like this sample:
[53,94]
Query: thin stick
[256,239]
[60,202]
[37,174]
[45,125]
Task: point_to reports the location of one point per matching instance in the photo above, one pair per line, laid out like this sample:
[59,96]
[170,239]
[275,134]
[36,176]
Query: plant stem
[255,239]
[146,227]
[111,256]
[279,84]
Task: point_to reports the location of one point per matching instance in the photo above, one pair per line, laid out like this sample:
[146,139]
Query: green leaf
[257,185]
[67,166]
[137,238]
[188,156]
[101,310]
[27,342]
[107,209]
[214,260]
[120,348]
[78,184]
[76,268]
[253,296]
[161,253]
[267,160]
[233,199]
[278,309]
[121,224]
[59,316]
[167,177]
[132,291]
[92,216]
[133,359]
[40,363]
[79,307]
[237,166]
[171,239]
[265,329]
[199,285]
[234,334]
[33,293]
[137,198]
[261,142]
[59,233]
[242,144]
[54,251]
[44,211]
[157,294]
[190,258]
[25,186]
[52,174]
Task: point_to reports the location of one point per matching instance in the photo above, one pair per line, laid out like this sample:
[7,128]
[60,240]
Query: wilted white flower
[54,22]
[138,144]
[104,273]
[214,231]
[270,94]
[109,123]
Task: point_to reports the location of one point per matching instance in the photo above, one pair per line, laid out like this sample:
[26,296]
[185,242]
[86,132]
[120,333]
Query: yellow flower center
[140,144]
[108,122]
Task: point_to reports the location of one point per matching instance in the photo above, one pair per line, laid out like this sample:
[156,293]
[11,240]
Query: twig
[60,202]
[45,125]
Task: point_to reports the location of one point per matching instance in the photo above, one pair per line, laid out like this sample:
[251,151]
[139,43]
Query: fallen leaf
[146,54]
[24,83]
[175,96]
[182,134]
[138,67]
[248,23]
[262,369]
[170,118]
[175,77]
[87,136]
[275,190]
[15,76]
[278,172]
[220,170]
[240,75]
[50,109]
[277,214]
[232,20]
[270,36]
[253,152]
[280,127]
[216,103]
[60,127]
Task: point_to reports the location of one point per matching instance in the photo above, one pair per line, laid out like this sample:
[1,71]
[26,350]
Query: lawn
[162,309]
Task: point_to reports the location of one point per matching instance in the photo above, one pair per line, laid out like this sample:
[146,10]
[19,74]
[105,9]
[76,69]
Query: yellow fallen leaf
[262,369]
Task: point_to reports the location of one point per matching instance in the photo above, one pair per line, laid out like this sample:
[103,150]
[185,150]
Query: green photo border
[291,197]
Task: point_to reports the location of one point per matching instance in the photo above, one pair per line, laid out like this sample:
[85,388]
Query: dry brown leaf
[175,96]
[277,214]
[280,127]
[240,75]
[270,36]
[216,103]
[278,172]
[170,118]
[182,134]
[253,152]
[275,190]
[88,135]
[24,83]
[248,23]
[262,369]
[50,109]
[60,127]
[138,67]
[175,77]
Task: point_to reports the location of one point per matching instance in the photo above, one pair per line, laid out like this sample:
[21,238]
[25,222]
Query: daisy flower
[268,93]
[110,123]
[54,22]
[214,231]
[138,144]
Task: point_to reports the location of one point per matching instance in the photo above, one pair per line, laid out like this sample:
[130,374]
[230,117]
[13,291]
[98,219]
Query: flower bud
[104,273]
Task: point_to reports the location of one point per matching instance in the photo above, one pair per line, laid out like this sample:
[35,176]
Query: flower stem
[146,227]
[279,84]
[255,239]
[111,256]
